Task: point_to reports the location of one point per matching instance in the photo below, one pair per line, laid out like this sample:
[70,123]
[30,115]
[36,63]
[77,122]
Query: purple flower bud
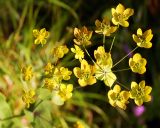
[138,110]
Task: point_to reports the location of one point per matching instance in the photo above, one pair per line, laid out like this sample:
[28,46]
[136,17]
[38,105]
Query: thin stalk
[91,58]
[122,85]
[112,43]
[104,40]
[12,117]
[125,69]
[125,56]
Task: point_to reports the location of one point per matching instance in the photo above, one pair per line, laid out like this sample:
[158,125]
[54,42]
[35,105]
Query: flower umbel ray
[140,92]
[120,15]
[143,39]
[41,36]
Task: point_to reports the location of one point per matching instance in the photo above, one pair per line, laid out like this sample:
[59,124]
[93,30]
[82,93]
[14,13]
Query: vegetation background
[89,105]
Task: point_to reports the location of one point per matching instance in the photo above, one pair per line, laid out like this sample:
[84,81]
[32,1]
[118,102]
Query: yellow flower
[62,73]
[27,73]
[102,58]
[143,39]
[65,91]
[104,27]
[85,74]
[48,68]
[140,92]
[79,54]
[121,15]
[118,98]
[83,36]
[103,66]
[137,64]
[79,125]
[59,51]
[28,97]
[40,36]
[51,84]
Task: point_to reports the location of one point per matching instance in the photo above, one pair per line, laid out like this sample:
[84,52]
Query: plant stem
[125,69]
[104,40]
[91,58]
[122,85]
[125,56]
[112,43]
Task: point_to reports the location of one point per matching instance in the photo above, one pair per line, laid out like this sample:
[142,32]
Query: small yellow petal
[120,8]
[139,32]
[138,102]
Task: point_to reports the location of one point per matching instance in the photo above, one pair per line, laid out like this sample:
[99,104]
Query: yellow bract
[28,97]
[79,54]
[121,15]
[27,73]
[65,91]
[140,92]
[85,74]
[137,64]
[118,98]
[48,68]
[103,66]
[104,27]
[40,36]
[59,51]
[143,39]
[83,36]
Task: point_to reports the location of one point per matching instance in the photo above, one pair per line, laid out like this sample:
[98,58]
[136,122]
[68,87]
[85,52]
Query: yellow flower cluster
[85,74]
[143,39]
[54,83]
[118,98]
[40,36]
[121,15]
[83,36]
[27,73]
[28,97]
[100,68]
[60,51]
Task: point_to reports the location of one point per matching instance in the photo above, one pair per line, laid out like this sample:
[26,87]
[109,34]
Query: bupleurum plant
[56,77]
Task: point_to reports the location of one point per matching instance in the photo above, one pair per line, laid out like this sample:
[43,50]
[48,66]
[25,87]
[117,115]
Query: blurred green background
[17,20]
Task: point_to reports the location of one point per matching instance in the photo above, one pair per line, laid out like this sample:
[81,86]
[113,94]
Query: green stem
[104,40]
[112,43]
[125,69]
[37,105]
[125,56]
[91,57]
[12,117]
[122,85]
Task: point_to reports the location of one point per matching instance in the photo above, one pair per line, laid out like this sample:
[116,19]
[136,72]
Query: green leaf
[5,112]
[65,6]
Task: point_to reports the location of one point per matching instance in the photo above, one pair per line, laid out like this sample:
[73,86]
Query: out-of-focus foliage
[89,105]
